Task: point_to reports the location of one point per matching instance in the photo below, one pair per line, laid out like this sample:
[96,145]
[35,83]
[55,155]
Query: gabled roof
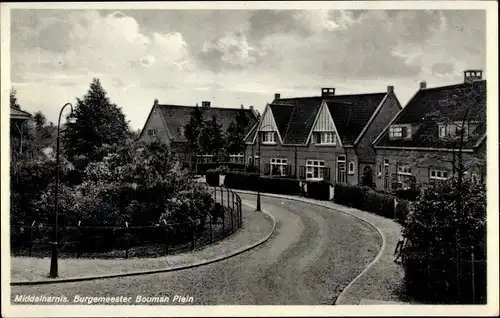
[19,114]
[445,102]
[176,117]
[295,117]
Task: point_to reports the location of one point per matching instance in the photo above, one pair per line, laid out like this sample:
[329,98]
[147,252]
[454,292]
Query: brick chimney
[156,101]
[423,85]
[472,75]
[327,91]
[277,95]
[390,89]
[205,104]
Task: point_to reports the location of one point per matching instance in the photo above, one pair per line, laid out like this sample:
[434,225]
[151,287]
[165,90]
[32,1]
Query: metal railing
[129,240]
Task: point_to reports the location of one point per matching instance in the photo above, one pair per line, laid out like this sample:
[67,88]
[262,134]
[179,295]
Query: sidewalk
[257,228]
[382,280]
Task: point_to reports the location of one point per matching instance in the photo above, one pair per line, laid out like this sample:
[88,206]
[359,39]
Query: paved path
[312,256]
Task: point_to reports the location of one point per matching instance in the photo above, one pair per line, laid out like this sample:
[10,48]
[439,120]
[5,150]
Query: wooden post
[210,226]
[78,252]
[31,238]
[128,239]
[232,225]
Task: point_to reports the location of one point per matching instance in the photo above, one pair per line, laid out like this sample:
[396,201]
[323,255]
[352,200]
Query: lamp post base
[258,202]
[54,272]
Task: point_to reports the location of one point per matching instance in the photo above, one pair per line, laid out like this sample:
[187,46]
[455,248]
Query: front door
[341,169]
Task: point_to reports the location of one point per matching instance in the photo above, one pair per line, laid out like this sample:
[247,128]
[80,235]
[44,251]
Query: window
[206,158]
[325,138]
[152,132]
[406,170]
[257,161]
[236,158]
[442,131]
[379,172]
[351,167]
[269,137]
[386,162]
[315,169]
[398,132]
[465,129]
[279,166]
[438,174]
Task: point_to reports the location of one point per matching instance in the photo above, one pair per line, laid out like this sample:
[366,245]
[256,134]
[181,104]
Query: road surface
[313,254]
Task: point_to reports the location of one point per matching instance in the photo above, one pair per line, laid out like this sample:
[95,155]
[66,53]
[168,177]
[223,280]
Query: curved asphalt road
[314,253]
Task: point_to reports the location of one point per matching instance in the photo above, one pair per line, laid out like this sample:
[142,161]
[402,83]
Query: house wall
[155,120]
[389,109]
[422,162]
[315,152]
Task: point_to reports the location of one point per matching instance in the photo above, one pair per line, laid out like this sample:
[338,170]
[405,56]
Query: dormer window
[453,130]
[399,132]
[152,132]
[268,137]
[442,131]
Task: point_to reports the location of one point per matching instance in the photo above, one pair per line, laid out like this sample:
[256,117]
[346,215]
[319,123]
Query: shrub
[366,199]
[318,190]
[411,195]
[213,177]
[442,237]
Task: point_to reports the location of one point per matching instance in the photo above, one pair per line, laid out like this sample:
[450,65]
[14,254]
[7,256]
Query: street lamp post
[53,261]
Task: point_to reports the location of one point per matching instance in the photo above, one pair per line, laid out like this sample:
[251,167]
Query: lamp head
[71,118]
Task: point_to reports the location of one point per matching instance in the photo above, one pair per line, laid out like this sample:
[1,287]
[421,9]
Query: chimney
[205,104]
[423,85]
[472,75]
[251,108]
[277,96]
[390,89]
[327,91]
[156,102]
[242,107]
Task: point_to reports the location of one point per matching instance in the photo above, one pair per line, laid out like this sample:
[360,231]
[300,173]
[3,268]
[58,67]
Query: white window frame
[327,138]
[268,137]
[237,158]
[281,163]
[443,131]
[404,170]
[315,169]
[349,170]
[386,162]
[379,171]
[152,131]
[438,174]
[396,132]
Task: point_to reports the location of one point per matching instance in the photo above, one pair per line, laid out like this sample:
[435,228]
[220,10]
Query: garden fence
[129,240]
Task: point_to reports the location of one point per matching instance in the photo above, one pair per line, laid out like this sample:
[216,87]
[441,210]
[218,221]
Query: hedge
[318,190]
[364,198]
[213,177]
[254,182]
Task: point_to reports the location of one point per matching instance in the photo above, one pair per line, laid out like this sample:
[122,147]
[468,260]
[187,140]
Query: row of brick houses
[166,122]
[356,139]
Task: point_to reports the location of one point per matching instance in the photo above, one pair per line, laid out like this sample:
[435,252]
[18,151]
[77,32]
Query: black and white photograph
[239,158]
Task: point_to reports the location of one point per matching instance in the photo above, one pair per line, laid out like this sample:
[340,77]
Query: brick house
[422,141]
[166,122]
[326,137]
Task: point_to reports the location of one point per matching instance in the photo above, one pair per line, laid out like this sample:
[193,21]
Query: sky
[235,57]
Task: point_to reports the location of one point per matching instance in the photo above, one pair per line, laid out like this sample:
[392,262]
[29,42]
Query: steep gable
[175,118]
[427,103]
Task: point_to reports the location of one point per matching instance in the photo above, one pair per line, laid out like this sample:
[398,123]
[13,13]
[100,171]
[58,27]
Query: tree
[13,99]
[236,133]
[98,122]
[192,131]
[211,137]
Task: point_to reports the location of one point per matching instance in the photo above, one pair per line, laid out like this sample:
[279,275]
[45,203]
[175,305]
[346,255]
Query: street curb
[340,300]
[154,271]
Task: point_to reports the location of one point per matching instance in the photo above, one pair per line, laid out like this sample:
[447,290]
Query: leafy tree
[13,99]
[192,131]
[98,122]
[236,133]
[211,137]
